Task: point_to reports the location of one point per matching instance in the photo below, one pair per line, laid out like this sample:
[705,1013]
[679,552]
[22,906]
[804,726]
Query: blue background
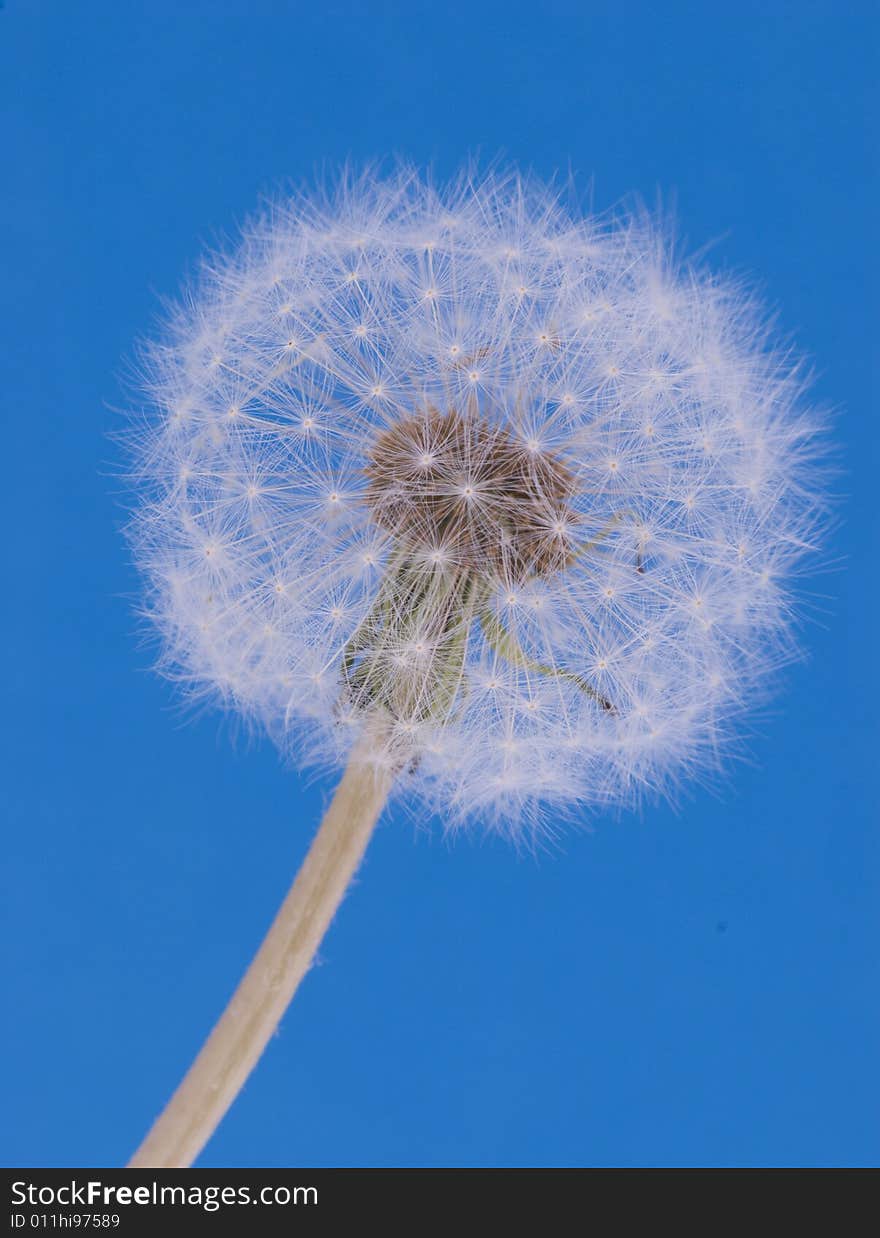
[696,986]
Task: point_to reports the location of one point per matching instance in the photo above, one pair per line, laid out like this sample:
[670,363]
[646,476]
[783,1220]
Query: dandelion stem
[258,1004]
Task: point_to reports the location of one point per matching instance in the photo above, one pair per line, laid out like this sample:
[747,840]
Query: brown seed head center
[470,493]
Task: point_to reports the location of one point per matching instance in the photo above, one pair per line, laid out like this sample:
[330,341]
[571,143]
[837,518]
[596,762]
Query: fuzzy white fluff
[657,384]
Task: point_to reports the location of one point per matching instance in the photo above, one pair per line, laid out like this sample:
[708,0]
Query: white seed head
[529,492]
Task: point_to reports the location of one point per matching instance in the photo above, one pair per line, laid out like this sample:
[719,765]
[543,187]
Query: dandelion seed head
[527,487]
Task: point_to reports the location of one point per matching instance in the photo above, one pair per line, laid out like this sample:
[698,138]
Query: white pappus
[519,490]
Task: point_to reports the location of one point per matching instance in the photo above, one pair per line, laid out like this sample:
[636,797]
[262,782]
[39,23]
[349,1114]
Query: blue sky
[690,986]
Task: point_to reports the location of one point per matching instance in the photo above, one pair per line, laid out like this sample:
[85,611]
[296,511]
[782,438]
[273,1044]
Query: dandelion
[496,507]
